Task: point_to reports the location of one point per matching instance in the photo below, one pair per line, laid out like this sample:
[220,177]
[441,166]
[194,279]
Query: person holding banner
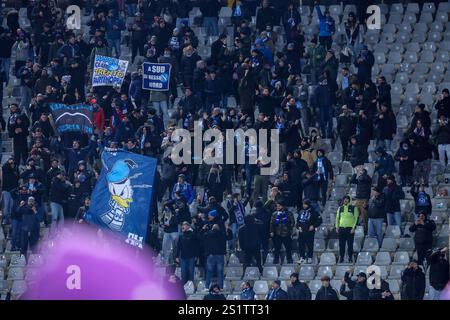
[159,102]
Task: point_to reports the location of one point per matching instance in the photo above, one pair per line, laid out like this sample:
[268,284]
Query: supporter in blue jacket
[185,188]
[326,28]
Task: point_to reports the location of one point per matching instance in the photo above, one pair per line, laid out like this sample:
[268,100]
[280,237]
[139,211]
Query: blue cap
[119,172]
[213,213]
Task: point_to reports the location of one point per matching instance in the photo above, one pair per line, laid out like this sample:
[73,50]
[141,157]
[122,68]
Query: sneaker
[350,260]
[341,260]
[309,260]
[301,261]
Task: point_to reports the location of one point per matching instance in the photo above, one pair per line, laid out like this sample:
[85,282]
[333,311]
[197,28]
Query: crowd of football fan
[204,212]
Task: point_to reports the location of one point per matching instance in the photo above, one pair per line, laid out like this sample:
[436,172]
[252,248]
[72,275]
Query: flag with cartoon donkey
[122,197]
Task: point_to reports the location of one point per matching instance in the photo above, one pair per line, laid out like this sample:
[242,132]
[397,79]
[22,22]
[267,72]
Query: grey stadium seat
[340,272]
[306,273]
[16,273]
[396,271]
[429,7]
[393,286]
[383,259]
[421,27]
[333,245]
[364,259]
[327,259]
[234,273]
[410,17]
[270,273]
[370,245]
[314,286]
[189,287]
[319,245]
[252,273]
[427,56]
[412,7]
[430,46]
[393,232]
[401,257]
[389,244]
[324,271]
[261,287]
[397,8]
[395,57]
[286,271]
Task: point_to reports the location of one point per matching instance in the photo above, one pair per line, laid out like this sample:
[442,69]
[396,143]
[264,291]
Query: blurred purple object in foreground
[82,266]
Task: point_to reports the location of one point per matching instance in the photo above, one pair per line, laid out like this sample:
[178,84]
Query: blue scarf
[281,217]
[320,169]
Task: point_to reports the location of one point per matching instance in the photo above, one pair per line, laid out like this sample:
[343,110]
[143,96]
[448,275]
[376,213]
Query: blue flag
[156,76]
[122,197]
[76,117]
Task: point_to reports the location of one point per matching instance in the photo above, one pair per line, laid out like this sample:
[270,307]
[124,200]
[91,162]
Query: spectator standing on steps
[346,221]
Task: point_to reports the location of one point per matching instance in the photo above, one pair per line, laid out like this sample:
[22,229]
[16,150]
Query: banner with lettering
[108,71]
[75,117]
[156,76]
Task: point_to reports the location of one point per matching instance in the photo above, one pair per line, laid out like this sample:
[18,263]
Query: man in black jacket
[298,290]
[324,170]
[276,293]
[30,225]
[214,293]
[59,194]
[215,212]
[382,293]
[358,289]
[413,282]
[250,242]
[10,181]
[439,273]
[326,292]
[187,252]
[358,151]
[346,127]
[363,184]
[296,167]
[311,189]
[442,139]
[423,236]
[376,215]
[308,220]
[18,124]
[443,104]
[214,240]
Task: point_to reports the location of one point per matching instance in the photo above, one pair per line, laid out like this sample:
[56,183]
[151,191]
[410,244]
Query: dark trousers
[265,248]
[28,238]
[345,139]
[187,269]
[346,238]
[20,153]
[323,185]
[326,41]
[135,46]
[306,239]
[287,242]
[422,253]
[251,255]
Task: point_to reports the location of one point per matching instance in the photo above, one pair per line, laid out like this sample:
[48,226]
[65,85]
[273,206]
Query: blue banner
[122,197]
[108,71]
[156,76]
[76,117]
